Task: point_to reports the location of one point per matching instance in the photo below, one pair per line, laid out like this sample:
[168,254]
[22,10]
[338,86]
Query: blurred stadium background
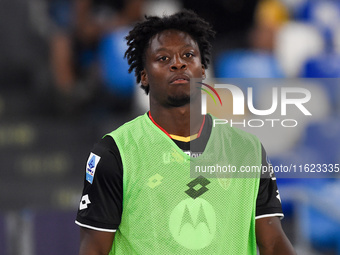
[64,83]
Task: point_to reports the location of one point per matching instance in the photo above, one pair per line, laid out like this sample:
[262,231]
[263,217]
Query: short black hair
[187,21]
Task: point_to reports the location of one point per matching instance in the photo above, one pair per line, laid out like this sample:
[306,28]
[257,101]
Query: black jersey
[101,204]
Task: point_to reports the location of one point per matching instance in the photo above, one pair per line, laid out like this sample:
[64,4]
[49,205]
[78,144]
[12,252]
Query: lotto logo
[84,202]
[197,187]
[155,180]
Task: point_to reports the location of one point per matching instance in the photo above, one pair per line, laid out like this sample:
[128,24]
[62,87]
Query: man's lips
[179,79]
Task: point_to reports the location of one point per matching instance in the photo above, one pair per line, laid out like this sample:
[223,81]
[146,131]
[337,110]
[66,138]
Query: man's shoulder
[126,126]
[104,145]
[108,143]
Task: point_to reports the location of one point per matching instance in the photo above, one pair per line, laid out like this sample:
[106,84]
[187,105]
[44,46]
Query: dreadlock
[187,21]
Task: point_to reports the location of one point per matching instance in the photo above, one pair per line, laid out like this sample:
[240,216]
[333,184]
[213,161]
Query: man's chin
[178,101]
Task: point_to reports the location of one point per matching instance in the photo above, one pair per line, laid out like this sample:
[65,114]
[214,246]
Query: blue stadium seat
[247,64]
[325,14]
[324,137]
[114,67]
[318,217]
[290,188]
[326,65]
[320,145]
[296,42]
[318,213]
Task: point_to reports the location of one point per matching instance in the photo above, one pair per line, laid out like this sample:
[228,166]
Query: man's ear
[144,78]
[203,72]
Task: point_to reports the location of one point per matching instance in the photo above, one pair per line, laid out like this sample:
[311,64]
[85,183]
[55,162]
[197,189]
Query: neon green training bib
[174,204]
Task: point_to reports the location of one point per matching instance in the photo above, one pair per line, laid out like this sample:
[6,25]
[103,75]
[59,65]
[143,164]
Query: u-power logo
[239,104]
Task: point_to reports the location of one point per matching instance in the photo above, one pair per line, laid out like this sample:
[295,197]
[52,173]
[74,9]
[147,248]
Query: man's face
[172,58]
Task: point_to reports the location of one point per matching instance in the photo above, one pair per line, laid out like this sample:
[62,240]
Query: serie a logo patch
[91,166]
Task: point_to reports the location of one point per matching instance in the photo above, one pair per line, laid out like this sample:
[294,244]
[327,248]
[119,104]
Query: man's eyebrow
[166,49]
[188,46]
[161,49]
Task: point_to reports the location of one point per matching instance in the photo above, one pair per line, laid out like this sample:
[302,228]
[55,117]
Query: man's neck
[176,120]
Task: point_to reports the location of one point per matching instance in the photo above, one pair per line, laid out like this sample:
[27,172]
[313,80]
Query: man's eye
[189,55]
[164,58]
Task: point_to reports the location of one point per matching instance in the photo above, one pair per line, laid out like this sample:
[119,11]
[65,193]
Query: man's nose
[178,63]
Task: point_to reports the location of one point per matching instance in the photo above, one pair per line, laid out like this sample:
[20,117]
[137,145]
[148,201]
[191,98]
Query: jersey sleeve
[268,203]
[100,207]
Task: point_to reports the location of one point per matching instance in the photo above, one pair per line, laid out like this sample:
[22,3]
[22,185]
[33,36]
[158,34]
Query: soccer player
[138,196]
